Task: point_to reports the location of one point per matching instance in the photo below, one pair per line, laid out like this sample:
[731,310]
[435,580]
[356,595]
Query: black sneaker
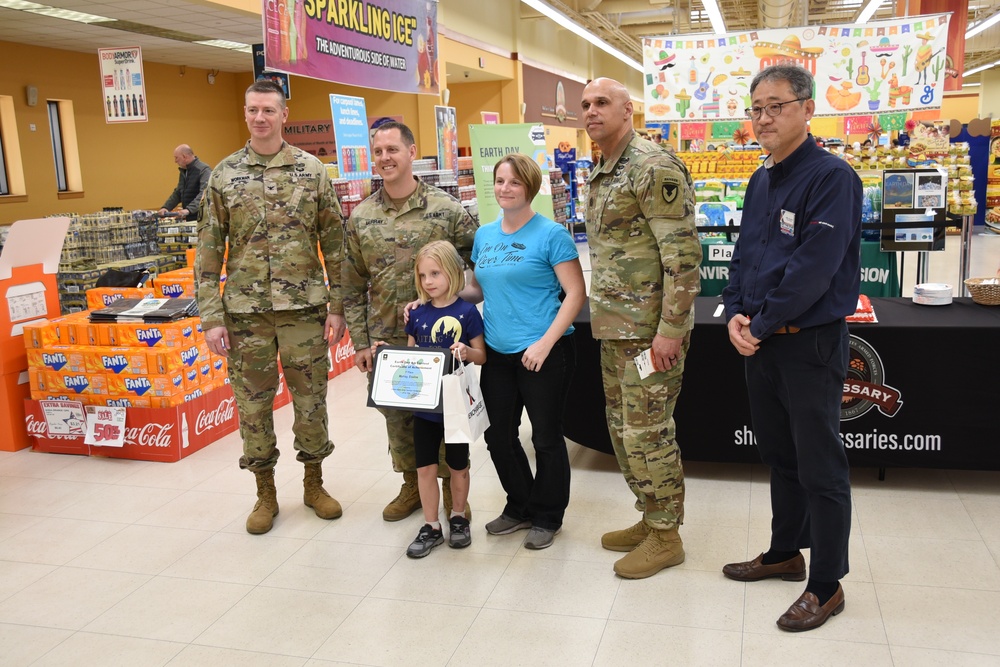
[426,539]
[460,535]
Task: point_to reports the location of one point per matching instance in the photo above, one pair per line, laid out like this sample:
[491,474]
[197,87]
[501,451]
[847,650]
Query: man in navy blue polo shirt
[794,276]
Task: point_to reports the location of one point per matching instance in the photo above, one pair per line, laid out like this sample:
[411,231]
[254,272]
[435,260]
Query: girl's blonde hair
[447,257]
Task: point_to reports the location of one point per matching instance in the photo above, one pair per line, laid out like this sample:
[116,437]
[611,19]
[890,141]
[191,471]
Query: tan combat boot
[448,503]
[627,539]
[660,549]
[315,496]
[262,517]
[408,500]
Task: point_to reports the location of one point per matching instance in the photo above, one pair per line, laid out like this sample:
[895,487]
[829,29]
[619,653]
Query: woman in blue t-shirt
[523,261]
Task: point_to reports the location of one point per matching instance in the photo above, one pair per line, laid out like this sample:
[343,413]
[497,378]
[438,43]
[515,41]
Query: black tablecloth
[934,372]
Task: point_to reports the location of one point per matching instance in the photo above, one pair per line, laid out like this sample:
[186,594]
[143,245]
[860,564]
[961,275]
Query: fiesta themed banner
[492,142]
[874,68]
[383,44]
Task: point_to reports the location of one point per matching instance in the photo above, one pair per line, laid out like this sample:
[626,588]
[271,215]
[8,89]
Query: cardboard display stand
[153,434]
[28,293]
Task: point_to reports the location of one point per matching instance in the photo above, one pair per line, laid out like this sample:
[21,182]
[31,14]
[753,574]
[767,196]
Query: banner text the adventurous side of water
[888,66]
[383,44]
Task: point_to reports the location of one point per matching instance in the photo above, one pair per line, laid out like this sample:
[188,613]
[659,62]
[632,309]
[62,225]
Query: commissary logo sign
[864,387]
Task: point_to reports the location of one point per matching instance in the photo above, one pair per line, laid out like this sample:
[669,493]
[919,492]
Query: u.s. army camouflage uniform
[380,246]
[645,254]
[274,214]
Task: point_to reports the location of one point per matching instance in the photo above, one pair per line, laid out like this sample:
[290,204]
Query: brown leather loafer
[806,614]
[793,569]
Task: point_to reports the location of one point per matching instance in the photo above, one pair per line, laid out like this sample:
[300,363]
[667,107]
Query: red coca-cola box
[151,434]
[341,356]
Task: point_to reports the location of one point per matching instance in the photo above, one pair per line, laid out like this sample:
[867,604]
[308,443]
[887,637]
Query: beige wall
[130,164]
[962,107]
[989,92]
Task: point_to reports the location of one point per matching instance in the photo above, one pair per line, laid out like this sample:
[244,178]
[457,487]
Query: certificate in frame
[408,378]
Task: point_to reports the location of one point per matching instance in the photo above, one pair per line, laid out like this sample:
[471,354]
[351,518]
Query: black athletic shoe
[426,539]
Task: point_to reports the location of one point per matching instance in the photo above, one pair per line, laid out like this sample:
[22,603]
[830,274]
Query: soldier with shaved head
[645,254]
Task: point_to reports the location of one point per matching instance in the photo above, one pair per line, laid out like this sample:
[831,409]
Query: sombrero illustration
[790,46]
[665,60]
[740,73]
[926,36]
[884,47]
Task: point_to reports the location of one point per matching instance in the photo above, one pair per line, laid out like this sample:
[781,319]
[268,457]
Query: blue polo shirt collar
[798,155]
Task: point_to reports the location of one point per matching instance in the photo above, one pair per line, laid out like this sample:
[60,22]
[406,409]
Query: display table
[933,372]
[879,275]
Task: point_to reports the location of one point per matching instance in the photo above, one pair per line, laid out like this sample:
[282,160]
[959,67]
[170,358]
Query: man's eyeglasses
[772,110]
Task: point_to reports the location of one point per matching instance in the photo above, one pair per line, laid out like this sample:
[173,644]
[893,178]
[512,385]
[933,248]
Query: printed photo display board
[913,209]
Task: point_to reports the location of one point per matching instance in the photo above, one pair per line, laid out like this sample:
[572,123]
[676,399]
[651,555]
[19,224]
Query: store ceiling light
[580,31]
[714,16]
[226,44]
[983,25]
[54,12]
[980,69]
[868,11]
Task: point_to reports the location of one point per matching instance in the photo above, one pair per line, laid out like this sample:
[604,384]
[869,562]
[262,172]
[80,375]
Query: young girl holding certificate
[442,319]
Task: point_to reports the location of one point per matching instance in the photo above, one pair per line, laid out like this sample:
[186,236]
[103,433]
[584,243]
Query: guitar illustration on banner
[703,87]
[863,78]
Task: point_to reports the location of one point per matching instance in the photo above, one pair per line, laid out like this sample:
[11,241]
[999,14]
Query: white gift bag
[465,418]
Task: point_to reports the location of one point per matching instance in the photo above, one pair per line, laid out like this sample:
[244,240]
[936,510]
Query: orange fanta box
[180,333]
[220,366]
[51,332]
[102,297]
[113,401]
[37,380]
[164,360]
[60,358]
[146,385]
[192,378]
[76,383]
[174,284]
[40,334]
[117,360]
[85,332]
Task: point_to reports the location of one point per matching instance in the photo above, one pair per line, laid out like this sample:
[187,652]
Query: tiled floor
[108,562]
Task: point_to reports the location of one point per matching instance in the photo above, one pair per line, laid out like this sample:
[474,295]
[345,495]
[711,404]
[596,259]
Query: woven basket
[987,294]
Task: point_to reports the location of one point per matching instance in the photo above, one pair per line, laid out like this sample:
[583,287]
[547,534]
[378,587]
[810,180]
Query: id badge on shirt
[787,223]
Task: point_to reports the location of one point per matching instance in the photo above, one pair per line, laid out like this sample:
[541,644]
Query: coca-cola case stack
[151,434]
[154,434]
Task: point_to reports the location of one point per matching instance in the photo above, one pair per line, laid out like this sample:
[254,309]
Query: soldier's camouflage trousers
[641,424]
[399,428]
[256,339]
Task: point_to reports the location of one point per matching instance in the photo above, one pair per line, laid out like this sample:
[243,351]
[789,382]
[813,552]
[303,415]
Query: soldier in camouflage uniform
[274,204]
[645,255]
[383,236]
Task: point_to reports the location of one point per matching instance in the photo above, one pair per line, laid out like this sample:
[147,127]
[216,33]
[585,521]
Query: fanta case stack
[135,365]
[102,297]
[175,284]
